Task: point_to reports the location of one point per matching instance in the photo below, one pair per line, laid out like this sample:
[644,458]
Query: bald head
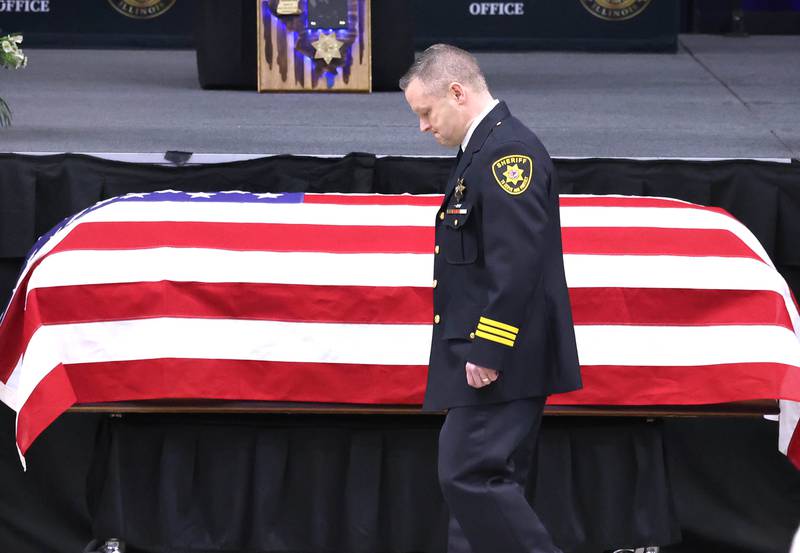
[440,65]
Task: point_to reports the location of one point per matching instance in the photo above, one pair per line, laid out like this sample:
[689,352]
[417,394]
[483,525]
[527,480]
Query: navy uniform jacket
[500,296]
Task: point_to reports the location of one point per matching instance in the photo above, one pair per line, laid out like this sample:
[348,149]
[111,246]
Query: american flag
[328,298]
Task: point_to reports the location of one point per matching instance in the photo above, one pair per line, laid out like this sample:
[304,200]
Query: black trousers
[485,453]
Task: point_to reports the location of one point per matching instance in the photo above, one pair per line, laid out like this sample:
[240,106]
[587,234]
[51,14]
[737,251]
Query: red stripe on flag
[249,301]
[379,239]
[654,241]
[249,237]
[215,379]
[683,385]
[12,337]
[51,397]
[677,307]
[16,325]
[793,453]
[248,380]
[374,199]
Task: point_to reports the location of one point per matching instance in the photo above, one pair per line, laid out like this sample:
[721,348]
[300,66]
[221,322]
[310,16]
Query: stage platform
[718,97]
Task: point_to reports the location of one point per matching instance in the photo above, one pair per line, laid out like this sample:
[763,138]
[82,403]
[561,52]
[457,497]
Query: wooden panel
[756,408]
[285,54]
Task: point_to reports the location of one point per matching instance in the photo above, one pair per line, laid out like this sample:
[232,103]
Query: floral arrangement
[11,57]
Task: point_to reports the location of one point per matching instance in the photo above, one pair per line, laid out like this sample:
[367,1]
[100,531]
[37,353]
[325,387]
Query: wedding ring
[485,379]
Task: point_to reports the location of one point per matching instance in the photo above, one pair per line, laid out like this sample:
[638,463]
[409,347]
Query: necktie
[455,165]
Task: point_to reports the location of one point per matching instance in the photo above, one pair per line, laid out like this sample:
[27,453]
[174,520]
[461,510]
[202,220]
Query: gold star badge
[327,47]
[460,187]
[513,174]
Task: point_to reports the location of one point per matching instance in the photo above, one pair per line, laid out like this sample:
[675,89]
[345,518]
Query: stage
[718,97]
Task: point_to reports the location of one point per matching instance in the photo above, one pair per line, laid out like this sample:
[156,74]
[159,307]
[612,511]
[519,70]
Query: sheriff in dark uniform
[503,338]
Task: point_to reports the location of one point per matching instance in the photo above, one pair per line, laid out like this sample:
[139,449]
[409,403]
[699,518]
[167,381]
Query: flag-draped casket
[328,298]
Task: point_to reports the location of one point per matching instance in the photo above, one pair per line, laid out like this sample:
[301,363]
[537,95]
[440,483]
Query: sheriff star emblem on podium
[327,47]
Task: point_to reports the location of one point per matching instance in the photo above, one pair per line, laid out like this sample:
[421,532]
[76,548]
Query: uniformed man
[503,338]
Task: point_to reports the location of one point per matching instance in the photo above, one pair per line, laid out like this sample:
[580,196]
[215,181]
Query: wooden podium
[314,46]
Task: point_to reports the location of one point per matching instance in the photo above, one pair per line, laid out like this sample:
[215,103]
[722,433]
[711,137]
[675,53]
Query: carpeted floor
[717,97]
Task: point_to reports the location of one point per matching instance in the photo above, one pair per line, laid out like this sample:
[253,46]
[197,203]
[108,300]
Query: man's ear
[458,92]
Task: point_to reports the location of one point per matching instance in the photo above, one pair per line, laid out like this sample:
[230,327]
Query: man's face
[441,115]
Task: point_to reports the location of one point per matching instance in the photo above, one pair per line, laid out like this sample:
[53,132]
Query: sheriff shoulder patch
[513,173]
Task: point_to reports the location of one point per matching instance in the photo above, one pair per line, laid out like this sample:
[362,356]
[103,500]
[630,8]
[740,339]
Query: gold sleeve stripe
[493,338]
[500,325]
[497,332]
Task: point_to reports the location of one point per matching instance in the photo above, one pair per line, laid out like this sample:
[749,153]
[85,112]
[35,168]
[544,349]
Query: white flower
[10,57]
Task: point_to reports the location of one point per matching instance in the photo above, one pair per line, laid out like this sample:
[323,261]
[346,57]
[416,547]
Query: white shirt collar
[475,122]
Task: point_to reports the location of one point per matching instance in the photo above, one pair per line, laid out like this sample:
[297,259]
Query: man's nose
[424,126]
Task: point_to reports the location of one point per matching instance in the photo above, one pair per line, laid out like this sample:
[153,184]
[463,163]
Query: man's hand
[478,376]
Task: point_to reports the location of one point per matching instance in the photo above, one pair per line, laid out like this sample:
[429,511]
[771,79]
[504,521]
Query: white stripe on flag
[788,420]
[78,267]
[8,395]
[685,346]
[670,271]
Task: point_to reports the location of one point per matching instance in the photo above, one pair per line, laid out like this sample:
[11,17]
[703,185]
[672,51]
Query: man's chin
[443,142]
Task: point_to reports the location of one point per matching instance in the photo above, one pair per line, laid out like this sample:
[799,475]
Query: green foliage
[11,57]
